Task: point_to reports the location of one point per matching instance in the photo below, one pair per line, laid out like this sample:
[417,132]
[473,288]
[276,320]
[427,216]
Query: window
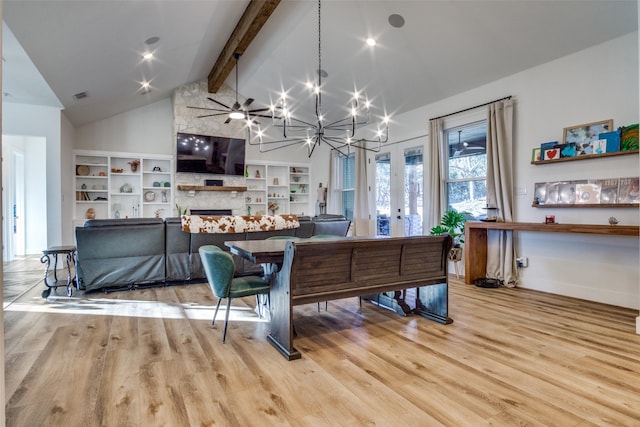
[346,185]
[466,163]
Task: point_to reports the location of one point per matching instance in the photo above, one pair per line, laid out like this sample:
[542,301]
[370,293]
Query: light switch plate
[521,190]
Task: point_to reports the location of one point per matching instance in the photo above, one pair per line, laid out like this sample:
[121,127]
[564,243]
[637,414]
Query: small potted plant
[134,165]
[452,223]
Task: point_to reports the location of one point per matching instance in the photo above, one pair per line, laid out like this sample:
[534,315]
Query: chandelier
[340,135]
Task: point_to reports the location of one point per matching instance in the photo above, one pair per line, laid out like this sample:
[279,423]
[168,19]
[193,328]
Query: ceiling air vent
[80,95]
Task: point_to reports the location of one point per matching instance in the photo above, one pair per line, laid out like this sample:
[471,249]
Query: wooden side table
[70,253]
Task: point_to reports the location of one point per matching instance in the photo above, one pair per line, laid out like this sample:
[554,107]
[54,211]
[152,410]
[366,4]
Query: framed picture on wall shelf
[586,133]
[535,154]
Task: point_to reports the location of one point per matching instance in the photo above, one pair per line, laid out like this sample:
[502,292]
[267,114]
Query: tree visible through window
[466,182]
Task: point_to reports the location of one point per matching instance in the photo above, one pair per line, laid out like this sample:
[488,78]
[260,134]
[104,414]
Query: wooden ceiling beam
[252,20]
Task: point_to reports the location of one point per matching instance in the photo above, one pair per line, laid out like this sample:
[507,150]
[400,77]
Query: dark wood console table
[476,239]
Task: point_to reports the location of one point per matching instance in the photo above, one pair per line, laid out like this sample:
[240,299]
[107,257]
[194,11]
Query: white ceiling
[446,47]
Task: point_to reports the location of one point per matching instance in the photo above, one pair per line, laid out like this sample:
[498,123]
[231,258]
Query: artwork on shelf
[540,192]
[587,132]
[552,153]
[608,189]
[587,193]
[605,191]
[568,150]
[567,192]
[629,190]
[547,146]
[612,141]
[535,154]
[629,138]
[551,196]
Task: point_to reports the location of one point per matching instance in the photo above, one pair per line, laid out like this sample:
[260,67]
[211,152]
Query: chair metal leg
[326,306]
[216,313]
[226,321]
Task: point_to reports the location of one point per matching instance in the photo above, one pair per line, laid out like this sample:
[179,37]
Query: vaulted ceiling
[444,48]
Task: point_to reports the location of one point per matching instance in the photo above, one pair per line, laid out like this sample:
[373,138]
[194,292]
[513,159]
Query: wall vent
[80,95]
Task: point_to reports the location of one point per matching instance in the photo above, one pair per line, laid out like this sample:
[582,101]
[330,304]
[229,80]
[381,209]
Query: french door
[400,190]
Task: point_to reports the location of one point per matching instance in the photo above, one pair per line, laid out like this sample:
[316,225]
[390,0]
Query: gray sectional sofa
[115,254]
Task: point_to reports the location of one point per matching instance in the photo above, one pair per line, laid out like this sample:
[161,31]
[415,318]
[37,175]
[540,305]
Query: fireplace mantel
[211,188]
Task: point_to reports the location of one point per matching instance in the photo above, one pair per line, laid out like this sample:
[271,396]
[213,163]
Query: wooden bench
[322,270]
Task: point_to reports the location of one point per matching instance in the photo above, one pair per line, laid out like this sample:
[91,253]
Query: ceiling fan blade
[264,115]
[247,103]
[218,102]
[258,110]
[211,115]
[207,109]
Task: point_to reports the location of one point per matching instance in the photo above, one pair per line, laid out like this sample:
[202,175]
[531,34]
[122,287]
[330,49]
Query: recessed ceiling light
[147,56]
[145,87]
[396,21]
[371,42]
[152,40]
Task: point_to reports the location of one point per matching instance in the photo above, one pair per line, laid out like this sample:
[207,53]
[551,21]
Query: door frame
[396,152]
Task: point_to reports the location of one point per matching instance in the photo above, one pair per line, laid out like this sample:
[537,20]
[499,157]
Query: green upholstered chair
[219,268]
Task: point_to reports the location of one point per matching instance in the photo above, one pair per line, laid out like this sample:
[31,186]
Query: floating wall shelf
[584,157]
[589,205]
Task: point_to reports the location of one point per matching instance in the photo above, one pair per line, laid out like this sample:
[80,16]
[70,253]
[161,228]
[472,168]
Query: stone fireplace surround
[186,120]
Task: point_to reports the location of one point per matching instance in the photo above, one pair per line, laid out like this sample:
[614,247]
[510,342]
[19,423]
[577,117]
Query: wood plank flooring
[151,357]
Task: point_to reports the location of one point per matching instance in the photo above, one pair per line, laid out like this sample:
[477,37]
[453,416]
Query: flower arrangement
[134,165]
[273,207]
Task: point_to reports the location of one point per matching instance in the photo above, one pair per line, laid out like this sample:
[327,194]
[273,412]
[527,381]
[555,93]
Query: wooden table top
[614,230]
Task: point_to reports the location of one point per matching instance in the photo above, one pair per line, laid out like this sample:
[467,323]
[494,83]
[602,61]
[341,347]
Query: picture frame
[586,133]
[535,154]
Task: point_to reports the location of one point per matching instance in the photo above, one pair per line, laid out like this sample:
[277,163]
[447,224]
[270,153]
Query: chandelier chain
[319,59]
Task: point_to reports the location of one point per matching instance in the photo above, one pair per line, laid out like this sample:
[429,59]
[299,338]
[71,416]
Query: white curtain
[501,258]
[433,187]
[361,213]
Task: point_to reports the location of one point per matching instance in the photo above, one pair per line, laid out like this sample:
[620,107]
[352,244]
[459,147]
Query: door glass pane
[383,194]
[413,194]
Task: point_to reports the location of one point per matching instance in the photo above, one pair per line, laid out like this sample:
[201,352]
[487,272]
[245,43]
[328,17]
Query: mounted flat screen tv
[210,154]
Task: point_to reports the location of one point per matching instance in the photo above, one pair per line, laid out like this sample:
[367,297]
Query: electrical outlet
[522,262]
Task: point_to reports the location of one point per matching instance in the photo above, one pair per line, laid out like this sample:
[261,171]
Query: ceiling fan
[236,111]
[468,148]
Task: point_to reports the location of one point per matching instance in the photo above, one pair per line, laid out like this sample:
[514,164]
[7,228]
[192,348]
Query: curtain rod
[470,108]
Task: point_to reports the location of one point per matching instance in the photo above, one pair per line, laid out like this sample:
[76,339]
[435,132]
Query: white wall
[146,129]
[595,84]
[67,175]
[31,120]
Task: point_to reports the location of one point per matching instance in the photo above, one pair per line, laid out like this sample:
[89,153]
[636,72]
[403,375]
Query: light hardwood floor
[151,358]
